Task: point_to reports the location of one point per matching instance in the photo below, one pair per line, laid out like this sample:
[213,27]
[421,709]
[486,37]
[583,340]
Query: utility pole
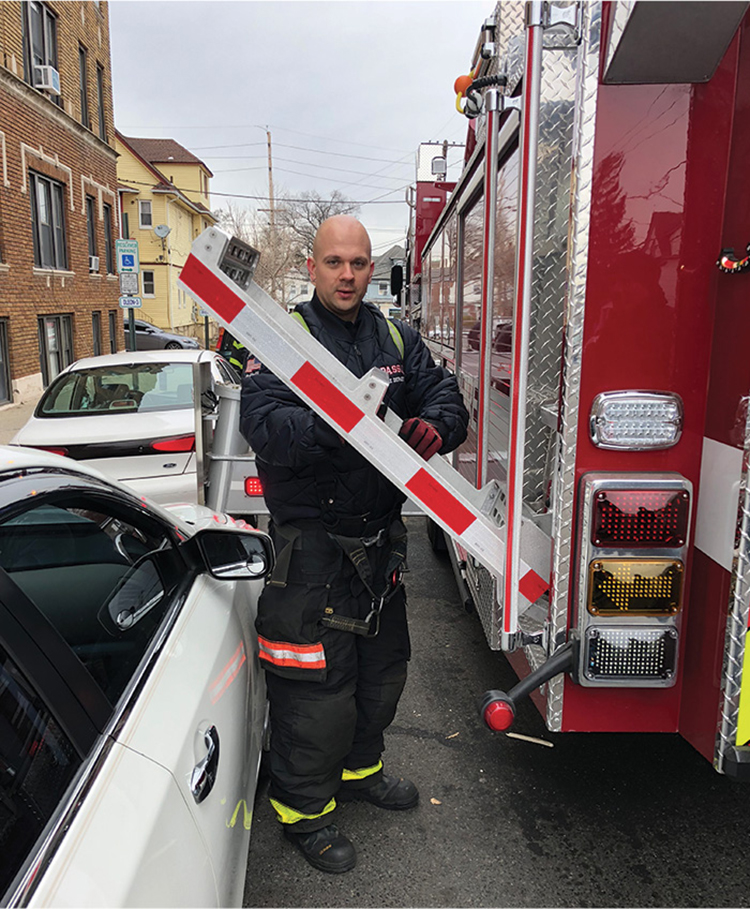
[270,180]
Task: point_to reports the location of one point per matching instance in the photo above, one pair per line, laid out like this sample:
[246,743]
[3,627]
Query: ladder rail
[347,403]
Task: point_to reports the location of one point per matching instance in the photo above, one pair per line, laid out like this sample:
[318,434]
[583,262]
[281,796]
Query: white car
[132,705]
[130,415]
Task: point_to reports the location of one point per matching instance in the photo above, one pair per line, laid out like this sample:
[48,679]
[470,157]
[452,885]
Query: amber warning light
[636,518]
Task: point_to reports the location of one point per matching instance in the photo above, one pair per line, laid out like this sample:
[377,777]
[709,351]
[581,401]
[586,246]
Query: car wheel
[173,345]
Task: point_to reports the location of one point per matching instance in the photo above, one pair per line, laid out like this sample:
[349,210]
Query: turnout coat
[306,469]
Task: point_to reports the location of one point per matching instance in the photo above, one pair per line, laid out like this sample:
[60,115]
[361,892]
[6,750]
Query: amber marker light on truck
[635,587]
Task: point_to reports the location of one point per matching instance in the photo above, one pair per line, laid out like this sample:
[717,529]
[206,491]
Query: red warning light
[640,518]
[253,487]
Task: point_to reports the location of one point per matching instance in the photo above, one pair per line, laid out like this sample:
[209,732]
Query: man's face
[341,268]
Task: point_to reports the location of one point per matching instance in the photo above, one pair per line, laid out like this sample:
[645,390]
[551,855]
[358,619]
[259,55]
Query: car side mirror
[235,555]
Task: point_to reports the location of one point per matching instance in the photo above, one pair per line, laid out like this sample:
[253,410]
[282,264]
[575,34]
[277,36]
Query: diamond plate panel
[509,38]
[564,481]
[483,592]
[739,608]
[554,163]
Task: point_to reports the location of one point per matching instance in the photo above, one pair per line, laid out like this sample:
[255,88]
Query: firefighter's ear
[311,268]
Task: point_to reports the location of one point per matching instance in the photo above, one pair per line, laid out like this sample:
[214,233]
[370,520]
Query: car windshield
[130,388]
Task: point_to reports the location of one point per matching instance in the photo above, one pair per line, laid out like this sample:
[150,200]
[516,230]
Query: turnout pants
[332,692]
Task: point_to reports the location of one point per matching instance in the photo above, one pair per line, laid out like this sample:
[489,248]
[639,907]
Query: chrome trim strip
[564,486]
[737,618]
[59,823]
[622,11]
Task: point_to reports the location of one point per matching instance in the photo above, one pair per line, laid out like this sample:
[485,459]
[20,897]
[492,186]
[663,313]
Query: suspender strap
[356,551]
[281,569]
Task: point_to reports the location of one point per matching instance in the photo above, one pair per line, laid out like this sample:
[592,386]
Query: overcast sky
[347,89]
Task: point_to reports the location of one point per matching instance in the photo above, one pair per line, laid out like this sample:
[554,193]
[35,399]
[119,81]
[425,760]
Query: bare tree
[303,214]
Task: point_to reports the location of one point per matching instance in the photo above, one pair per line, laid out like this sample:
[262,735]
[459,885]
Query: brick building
[58,192]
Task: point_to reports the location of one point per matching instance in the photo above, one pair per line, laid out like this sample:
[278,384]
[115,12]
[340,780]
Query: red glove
[421,436]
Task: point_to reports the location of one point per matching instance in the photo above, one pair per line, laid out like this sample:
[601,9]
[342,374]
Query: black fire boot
[393,793]
[325,849]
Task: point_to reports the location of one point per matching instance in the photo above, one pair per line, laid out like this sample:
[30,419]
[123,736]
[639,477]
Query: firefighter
[231,349]
[332,622]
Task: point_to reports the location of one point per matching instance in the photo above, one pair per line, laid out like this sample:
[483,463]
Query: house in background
[164,193]
[297,288]
[58,192]
[379,288]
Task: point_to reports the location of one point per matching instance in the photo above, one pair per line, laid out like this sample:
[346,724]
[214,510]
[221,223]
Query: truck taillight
[640,518]
[635,586]
[253,487]
[633,545]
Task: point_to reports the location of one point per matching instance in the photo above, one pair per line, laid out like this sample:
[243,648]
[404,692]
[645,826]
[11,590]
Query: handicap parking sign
[128,259]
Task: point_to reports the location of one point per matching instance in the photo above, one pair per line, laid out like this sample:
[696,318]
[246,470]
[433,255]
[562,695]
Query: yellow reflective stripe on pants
[362,773]
[288,815]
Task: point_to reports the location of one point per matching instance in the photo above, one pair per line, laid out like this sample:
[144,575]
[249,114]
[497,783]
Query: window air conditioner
[47,78]
[93,263]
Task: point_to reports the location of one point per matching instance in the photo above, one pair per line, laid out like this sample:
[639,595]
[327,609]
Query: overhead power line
[337,139]
[316,151]
[335,167]
[378,200]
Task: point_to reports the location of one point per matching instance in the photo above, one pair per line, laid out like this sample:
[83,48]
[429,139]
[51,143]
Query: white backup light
[636,420]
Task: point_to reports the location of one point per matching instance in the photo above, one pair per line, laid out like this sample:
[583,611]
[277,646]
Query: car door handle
[203,776]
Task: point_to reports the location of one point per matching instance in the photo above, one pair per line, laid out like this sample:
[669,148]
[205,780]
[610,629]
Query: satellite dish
[161,230]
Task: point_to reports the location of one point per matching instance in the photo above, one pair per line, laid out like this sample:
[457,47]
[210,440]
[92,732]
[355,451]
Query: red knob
[499,715]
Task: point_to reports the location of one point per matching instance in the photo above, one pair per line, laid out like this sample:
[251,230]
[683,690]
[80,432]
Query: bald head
[340,228]
[341,265]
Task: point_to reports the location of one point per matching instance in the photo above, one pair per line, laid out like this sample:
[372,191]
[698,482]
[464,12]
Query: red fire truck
[587,279]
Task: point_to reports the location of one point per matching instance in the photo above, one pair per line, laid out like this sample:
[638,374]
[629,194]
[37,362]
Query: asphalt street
[596,820]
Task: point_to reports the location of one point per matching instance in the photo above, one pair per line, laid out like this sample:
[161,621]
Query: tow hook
[498,708]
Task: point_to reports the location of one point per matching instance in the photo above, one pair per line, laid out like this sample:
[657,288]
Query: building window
[55,345]
[145,217]
[96,332]
[108,236]
[100,101]
[91,231]
[47,222]
[113,331]
[40,41]
[6,389]
[303,290]
[149,285]
[84,85]
[383,289]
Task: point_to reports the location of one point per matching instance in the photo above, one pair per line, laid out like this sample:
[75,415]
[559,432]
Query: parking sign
[127,256]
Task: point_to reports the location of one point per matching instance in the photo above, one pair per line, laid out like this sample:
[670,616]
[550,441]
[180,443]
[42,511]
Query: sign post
[129,267]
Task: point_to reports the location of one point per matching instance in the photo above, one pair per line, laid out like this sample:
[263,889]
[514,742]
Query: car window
[102,581]
[37,763]
[123,389]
